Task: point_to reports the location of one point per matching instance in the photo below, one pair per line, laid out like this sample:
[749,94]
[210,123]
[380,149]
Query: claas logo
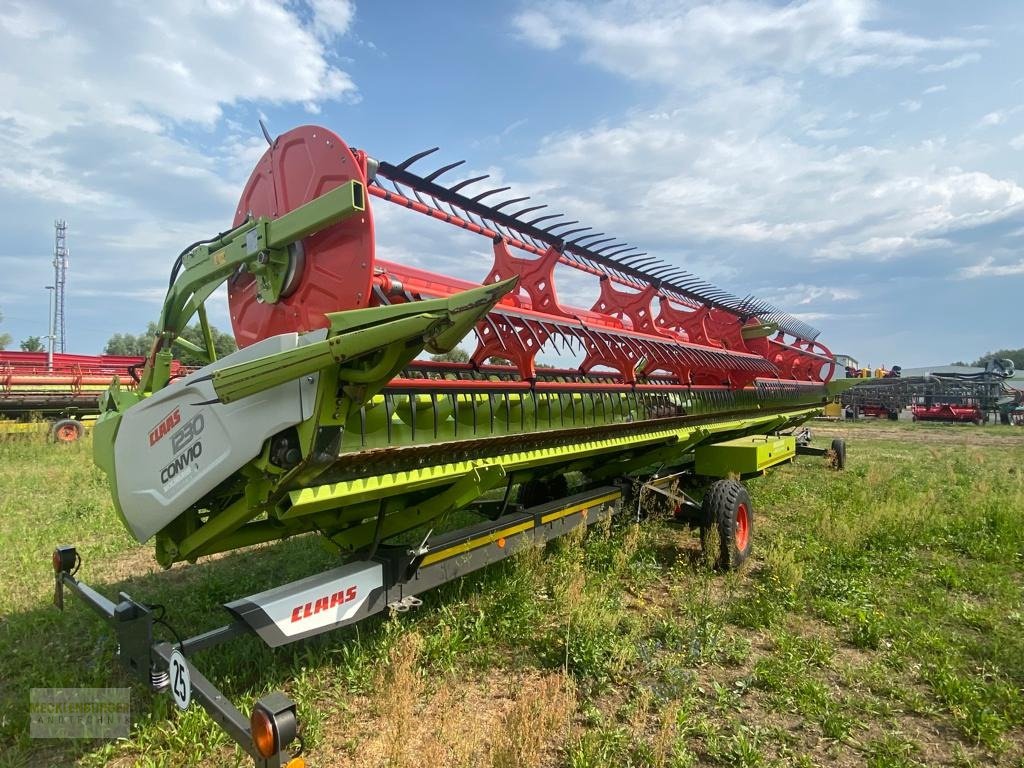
[325,603]
[160,430]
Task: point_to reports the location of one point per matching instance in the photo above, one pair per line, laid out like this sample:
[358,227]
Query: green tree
[1017,355]
[32,344]
[456,355]
[5,338]
[138,346]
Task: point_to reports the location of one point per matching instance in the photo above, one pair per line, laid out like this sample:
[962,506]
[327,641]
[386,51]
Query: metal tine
[560,224]
[552,336]
[586,332]
[437,204]
[517,214]
[564,235]
[590,246]
[511,200]
[418,156]
[662,271]
[467,182]
[443,169]
[494,191]
[680,274]
[627,261]
[490,321]
[558,336]
[572,338]
[544,218]
[601,251]
[455,211]
[581,238]
[528,324]
[636,346]
[624,249]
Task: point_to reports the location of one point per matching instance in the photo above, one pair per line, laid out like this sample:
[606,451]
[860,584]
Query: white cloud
[801,294]
[911,105]
[988,268]
[332,18]
[1017,142]
[695,44]
[114,117]
[934,89]
[696,177]
[992,118]
[181,63]
[538,29]
[955,63]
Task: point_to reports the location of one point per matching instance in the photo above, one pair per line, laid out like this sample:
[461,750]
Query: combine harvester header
[326,421]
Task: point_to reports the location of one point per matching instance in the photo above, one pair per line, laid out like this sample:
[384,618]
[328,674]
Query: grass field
[880,622]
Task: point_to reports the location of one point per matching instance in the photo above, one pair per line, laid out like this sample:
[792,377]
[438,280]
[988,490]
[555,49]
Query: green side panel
[744,455]
[103,434]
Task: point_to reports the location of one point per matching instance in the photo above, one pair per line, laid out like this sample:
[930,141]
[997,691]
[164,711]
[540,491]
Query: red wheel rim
[338,262]
[742,527]
[67,433]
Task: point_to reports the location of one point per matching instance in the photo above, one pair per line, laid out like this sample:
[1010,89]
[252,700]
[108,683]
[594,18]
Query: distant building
[942,369]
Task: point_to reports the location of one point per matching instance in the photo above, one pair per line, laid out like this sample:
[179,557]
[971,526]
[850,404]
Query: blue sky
[861,165]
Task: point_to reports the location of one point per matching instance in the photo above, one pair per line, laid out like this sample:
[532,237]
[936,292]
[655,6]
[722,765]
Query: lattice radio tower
[60,277]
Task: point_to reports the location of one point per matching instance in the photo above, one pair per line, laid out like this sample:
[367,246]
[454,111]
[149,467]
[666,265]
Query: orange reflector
[56,561]
[583,513]
[263,736]
[296,762]
[501,543]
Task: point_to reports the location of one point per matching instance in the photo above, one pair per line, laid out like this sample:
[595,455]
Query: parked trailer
[59,398]
[945,396]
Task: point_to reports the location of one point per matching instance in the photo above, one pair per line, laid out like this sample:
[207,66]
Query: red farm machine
[951,396]
[58,395]
[327,420]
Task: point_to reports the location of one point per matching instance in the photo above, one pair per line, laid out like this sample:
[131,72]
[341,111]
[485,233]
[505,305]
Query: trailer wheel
[67,431]
[838,453]
[727,531]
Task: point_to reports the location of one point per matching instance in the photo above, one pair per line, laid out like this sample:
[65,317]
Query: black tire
[839,451]
[727,531]
[67,431]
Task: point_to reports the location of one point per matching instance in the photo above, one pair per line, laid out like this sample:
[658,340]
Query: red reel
[332,270]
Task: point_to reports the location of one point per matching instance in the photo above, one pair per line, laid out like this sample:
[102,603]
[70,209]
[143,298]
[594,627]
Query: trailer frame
[401,574]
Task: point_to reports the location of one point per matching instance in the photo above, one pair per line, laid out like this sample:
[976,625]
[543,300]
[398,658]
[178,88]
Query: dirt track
[966,434]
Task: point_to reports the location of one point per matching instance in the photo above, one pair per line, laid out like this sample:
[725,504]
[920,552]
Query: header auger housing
[325,421]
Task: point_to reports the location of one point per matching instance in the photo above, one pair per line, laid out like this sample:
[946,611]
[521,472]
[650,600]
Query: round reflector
[264,732]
